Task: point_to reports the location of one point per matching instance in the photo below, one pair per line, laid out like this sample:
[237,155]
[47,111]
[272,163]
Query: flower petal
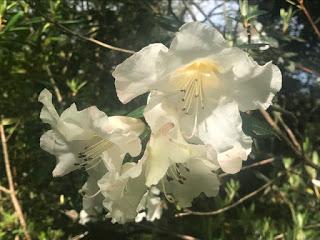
[199,179]
[123,192]
[255,84]
[126,124]
[196,36]
[138,73]
[93,205]
[48,112]
[223,130]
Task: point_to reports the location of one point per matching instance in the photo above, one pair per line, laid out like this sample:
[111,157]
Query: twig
[90,39]
[54,84]
[203,13]
[170,10]
[296,151]
[11,189]
[12,130]
[194,18]
[6,190]
[307,69]
[164,231]
[224,209]
[257,164]
[290,133]
[306,12]
[213,9]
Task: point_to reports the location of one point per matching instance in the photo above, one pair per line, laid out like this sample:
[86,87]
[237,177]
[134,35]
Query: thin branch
[54,84]
[5,190]
[11,189]
[166,232]
[257,164]
[170,10]
[307,69]
[298,152]
[194,18]
[290,133]
[306,12]
[203,13]
[89,39]
[224,209]
[13,129]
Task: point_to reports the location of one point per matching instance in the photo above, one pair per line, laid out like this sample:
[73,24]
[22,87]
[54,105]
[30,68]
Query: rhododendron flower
[126,195]
[81,139]
[181,170]
[207,82]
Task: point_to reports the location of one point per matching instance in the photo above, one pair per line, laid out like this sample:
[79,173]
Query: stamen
[170,198]
[92,153]
[94,165]
[94,195]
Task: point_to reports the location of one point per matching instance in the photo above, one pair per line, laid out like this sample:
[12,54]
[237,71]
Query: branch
[297,151]
[206,17]
[257,164]
[11,190]
[89,39]
[306,12]
[224,209]
[5,190]
[54,84]
[194,18]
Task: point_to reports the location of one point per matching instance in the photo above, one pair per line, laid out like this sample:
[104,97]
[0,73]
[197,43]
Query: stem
[11,190]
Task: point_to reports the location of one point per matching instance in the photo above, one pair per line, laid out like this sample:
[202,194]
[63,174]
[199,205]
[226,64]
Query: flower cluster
[197,88]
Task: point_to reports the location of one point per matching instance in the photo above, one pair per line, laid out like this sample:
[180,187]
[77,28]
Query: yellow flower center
[192,79]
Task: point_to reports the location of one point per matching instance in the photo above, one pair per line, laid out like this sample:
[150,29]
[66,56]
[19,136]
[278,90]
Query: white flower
[207,82]
[123,188]
[167,148]
[180,170]
[150,206]
[78,139]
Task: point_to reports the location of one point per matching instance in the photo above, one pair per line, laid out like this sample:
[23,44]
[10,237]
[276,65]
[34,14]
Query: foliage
[35,52]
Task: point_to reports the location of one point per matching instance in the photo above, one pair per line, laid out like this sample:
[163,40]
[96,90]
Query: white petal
[223,130]
[150,206]
[195,36]
[255,84]
[158,112]
[231,159]
[199,179]
[93,205]
[138,73]
[52,142]
[65,164]
[80,125]
[126,124]
[123,192]
[48,112]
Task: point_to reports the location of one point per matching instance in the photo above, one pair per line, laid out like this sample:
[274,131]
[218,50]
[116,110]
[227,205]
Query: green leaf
[255,127]
[3,6]
[9,121]
[13,20]
[137,113]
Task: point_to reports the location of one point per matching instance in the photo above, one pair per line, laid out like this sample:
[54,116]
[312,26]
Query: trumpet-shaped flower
[207,82]
[126,196]
[81,139]
[180,169]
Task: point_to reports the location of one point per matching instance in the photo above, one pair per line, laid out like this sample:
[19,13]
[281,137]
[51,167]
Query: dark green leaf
[137,113]
[255,127]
